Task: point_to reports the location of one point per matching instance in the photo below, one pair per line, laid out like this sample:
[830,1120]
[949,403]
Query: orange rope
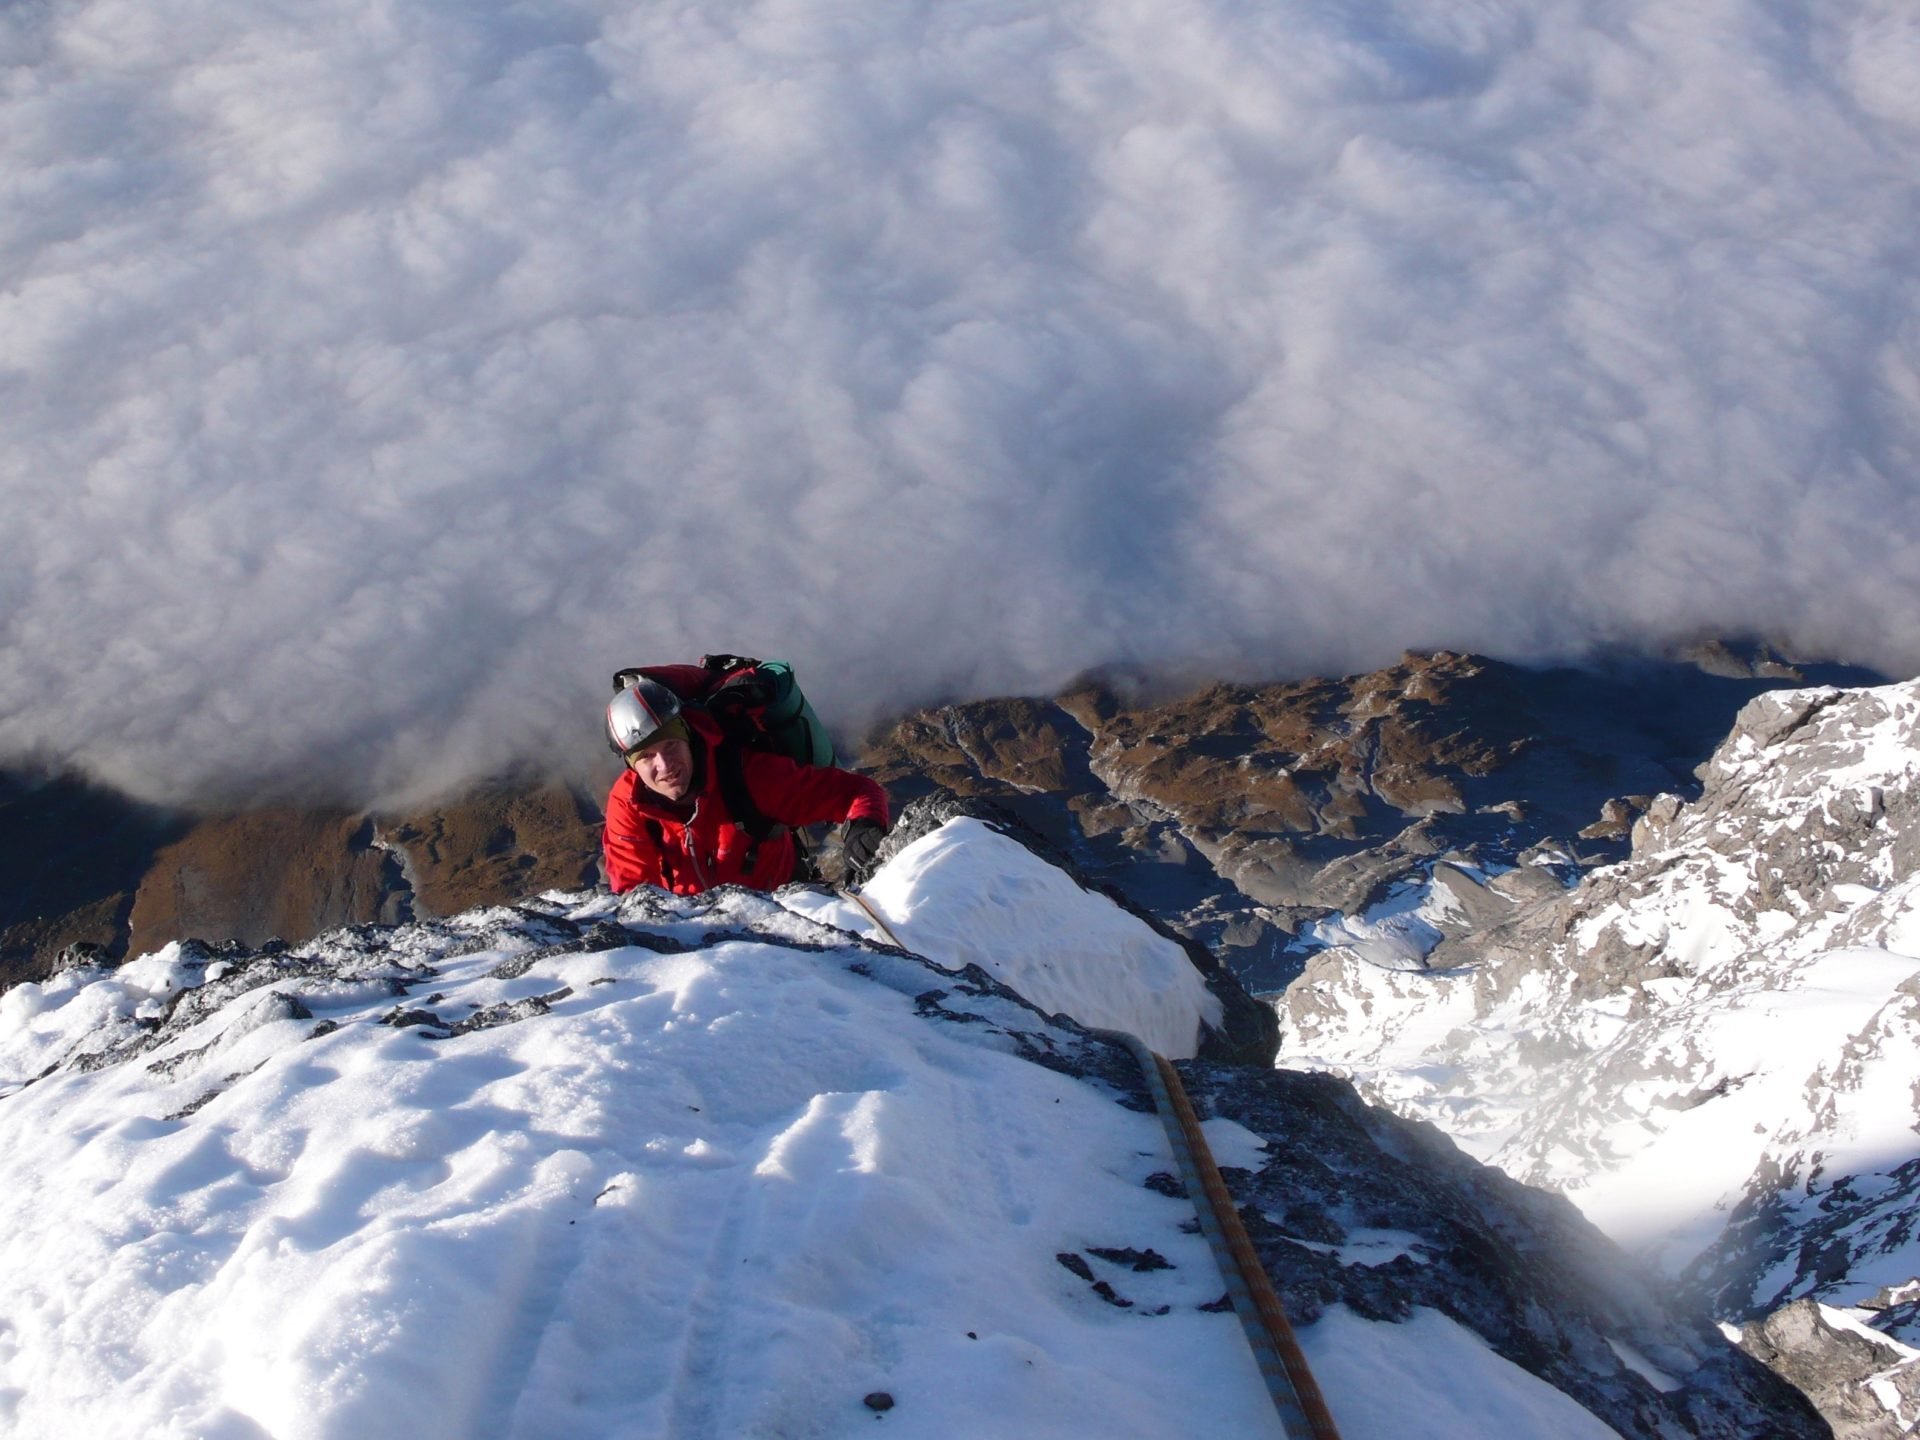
[872,914]
[1303,1409]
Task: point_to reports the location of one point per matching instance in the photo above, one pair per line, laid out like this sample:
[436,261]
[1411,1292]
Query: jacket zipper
[693,847]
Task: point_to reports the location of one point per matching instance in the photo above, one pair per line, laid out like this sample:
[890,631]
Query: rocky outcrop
[87,867]
[1866,1386]
[258,875]
[497,845]
[1245,814]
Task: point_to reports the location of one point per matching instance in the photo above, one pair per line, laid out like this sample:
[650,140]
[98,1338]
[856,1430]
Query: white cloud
[374,379]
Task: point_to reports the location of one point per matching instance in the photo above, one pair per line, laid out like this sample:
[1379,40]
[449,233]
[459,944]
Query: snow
[1231,1143]
[1763,1044]
[1446,1383]
[1371,1246]
[726,1183]
[1397,933]
[1854,1321]
[730,1191]
[1672,1177]
[962,899]
[1643,1367]
[1391,1023]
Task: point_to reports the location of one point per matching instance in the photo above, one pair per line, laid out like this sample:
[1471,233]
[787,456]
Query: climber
[696,808]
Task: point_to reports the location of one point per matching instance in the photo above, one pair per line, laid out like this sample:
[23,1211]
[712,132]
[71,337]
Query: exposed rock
[258,875]
[1867,1387]
[1240,813]
[498,844]
[87,869]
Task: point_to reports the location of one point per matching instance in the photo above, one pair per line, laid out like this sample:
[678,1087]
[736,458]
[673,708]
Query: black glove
[858,844]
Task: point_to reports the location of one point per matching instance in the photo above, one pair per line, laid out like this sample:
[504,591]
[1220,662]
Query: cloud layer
[377,377]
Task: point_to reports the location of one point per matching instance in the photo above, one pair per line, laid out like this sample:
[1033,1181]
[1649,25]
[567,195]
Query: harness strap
[659,838]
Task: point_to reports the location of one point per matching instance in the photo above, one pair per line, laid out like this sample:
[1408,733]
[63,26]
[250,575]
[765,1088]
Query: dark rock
[80,955]
[1236,810]
[1140,1261]
[1077,1264]
[1519,1267]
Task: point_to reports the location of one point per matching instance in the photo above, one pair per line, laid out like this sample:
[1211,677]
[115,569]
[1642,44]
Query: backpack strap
[730,770]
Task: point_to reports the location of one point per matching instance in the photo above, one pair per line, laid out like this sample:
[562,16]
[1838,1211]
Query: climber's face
[665,768]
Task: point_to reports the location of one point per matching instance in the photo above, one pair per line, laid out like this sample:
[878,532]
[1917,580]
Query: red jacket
[650,841]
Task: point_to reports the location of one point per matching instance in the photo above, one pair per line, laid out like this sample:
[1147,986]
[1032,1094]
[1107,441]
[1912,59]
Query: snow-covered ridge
[962,895]
[642,1166]
[1723,1026]
[1031,926]
[656,1166]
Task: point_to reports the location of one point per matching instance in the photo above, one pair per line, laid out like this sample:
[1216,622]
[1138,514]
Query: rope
[872,914]
[1276,1350]
[1295,1393]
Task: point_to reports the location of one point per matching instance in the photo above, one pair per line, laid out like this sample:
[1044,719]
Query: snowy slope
[1033,927]
[1721,1029]
[636,1167]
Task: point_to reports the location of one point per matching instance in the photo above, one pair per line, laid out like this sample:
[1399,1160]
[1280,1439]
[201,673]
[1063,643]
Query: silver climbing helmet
[638,713]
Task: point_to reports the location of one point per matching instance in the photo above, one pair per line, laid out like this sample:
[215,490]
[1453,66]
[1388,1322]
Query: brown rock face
[254,877]
[1343,760]
[1240,812]
[495,846]
[93,869]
